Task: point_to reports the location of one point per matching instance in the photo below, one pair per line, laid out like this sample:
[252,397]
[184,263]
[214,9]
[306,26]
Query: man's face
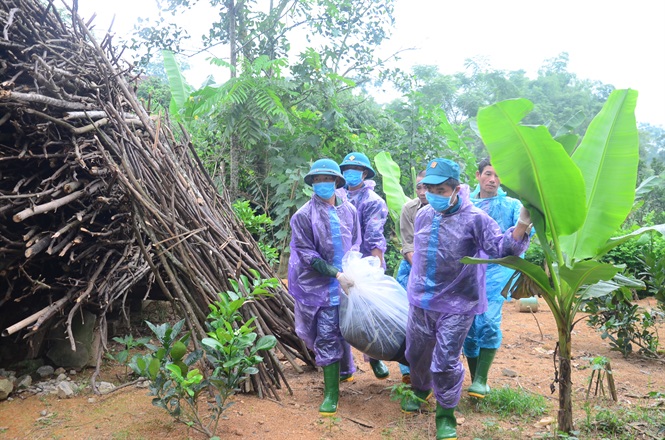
[319,178]
[357,168]
[440,190]
[489,182]
[421,191]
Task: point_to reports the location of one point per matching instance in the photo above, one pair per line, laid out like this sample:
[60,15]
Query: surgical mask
[353,177]
[439,203]
[325,190]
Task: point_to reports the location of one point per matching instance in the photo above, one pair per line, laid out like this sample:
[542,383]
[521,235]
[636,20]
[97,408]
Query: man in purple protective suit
[372,214]
[322,231]
[444,294]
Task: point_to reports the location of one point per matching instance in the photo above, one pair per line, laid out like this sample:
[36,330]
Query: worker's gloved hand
[344,281]
[525,217]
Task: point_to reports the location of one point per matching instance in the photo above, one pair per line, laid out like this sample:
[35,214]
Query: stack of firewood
[98,197]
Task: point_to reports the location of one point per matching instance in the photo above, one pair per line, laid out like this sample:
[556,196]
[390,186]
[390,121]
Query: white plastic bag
[373,317]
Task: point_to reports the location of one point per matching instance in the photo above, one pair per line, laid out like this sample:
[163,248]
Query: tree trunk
[234,148]
[565,416]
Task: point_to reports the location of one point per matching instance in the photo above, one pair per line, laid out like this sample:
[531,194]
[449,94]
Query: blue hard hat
[360,160]
[328,167]
[439,170]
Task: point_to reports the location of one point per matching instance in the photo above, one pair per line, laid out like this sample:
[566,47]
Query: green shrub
[259,226]
[231,348]
[622,323]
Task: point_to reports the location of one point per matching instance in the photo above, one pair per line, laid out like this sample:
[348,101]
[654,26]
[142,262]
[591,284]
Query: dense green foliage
[258,132]
[231,349]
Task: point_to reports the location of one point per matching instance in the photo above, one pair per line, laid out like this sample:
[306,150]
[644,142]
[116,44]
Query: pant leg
[420,340]
[490,335]
[347,366]
[319,328]
[471,342]
[447,368]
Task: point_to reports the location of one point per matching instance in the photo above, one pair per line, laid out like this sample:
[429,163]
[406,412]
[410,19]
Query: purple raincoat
[445,294]
[319,230]
[372,215]
[438,280]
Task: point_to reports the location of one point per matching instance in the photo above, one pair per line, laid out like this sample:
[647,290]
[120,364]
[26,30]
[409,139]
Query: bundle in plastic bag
[373,316]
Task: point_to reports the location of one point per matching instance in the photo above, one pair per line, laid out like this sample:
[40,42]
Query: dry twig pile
[97,198]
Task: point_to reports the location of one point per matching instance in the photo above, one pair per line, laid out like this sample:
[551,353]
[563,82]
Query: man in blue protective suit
[484,338]
[372,215]
[322,231]
[406,221]
[444,294]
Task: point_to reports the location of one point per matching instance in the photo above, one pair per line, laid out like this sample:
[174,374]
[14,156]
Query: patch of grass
[625,424]
[508,402]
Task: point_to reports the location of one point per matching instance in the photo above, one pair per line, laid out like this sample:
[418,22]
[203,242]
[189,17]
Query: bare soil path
[366,410]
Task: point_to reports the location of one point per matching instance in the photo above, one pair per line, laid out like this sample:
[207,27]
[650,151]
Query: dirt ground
[365,410]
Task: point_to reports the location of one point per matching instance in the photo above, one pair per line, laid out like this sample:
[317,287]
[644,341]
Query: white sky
[617,42]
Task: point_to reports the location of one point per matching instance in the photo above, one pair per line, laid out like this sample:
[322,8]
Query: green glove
[324,268]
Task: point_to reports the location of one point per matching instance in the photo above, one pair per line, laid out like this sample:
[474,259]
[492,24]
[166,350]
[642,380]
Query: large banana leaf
[608,158]
[616,241]
[180,90]
[534,272]
[534,166]
[587,272]
[390,174]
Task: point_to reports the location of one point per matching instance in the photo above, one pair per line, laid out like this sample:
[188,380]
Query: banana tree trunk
[565,416]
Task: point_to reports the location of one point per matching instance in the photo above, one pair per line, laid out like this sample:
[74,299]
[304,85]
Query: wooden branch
[55,204]
[6,95]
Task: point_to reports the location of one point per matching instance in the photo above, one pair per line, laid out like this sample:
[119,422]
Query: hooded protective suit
[372,215]
[319,230]
[445,294]
[485,332]
[505,211]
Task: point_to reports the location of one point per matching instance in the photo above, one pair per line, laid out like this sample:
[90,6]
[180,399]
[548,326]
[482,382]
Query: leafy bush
[129,343]
[231,348]
[535,253]
[258,226]
[622,323]
[630,253]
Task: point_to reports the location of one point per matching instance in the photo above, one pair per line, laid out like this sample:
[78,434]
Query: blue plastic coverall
[445,295]
[372,215]
[319,230]
[485,332]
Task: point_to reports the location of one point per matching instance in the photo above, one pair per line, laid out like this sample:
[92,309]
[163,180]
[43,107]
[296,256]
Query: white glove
[525,217]
[344,282]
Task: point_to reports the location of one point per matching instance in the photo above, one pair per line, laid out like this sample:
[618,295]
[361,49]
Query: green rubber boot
[410,405]
[330,390]
[446,423]
[479,387]
[379,368]
[473,362]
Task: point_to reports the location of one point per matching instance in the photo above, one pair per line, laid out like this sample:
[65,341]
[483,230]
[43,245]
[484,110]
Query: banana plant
[578,196]
[395,197]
